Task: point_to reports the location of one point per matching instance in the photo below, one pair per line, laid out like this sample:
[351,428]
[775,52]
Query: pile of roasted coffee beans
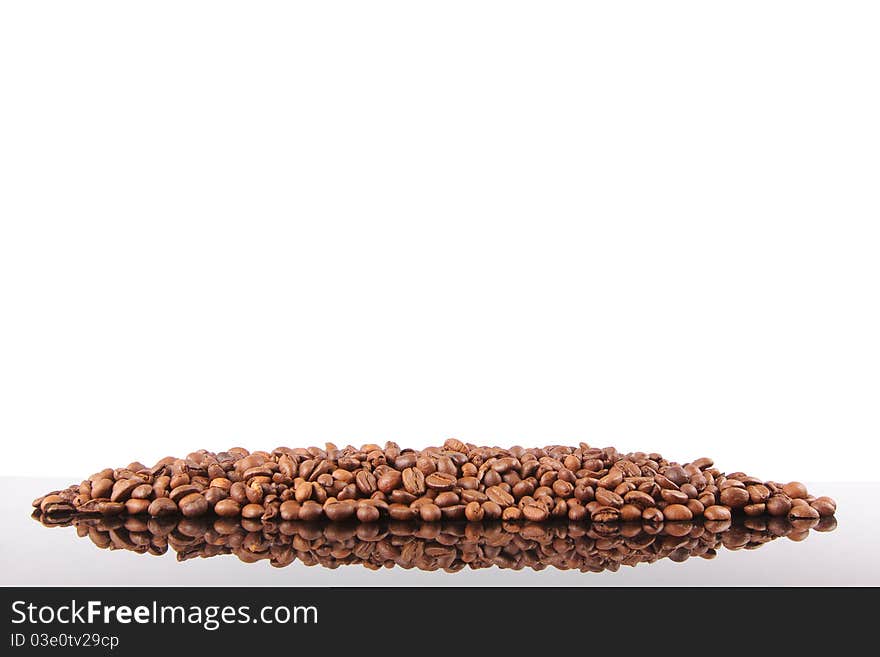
[447,545]
[457,481]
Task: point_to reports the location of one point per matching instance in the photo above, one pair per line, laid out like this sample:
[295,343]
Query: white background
[652,225]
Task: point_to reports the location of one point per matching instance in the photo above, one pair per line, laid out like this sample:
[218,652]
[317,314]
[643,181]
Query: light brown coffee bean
[413,481]
[716,512]
[161,507]
[440,481]
[193,505]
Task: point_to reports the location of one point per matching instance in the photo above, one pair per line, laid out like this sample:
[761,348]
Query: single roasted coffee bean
[162,506]
[825,506]
[228,508]
[606,514]
[440,481]
[803,512]
[676,512]
[735,498]
[795,490]
[430,512]
[609,498]
[778,505]
[717,512]
[193,505]
[135,506]
[534,512]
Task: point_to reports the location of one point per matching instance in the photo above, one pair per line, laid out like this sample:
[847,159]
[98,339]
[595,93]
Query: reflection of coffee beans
[455,481]
[449,546]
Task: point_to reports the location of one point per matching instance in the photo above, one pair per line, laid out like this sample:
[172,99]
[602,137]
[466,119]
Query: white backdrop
[652,225]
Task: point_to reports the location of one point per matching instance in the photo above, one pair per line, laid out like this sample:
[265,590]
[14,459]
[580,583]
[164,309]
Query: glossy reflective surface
[447,546]
[529,556]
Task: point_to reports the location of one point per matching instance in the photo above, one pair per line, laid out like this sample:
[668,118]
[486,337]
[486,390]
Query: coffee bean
[795,490]
[430,512]
[388,481]
[440,481]
[716,512]
[675,512]
[252,511]
[135,506]
[161,507]
[803,511]
[825,506]
[193,505]
[368,513]
[778,505]
[445,499]
[673,496]
[609,498]
[473,511]
[413,481]
[562,488]
[365,482]
[735,498]
[336,511]
[606,514]
[500,496]
[227,508]
[535,513]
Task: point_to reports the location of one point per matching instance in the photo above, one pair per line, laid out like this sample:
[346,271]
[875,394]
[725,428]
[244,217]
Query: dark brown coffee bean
[303,491]
[562,488]
[289,510]
[492,510]
[511,513]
